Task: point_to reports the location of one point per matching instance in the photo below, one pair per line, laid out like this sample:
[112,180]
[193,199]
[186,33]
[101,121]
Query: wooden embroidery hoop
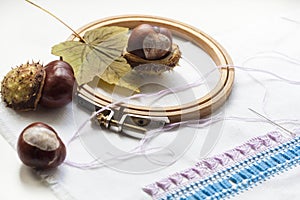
[196,109]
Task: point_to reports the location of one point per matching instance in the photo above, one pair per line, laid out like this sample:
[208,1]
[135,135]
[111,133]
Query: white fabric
[245,29]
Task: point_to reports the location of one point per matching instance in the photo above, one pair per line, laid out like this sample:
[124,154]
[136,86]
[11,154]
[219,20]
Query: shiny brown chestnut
[58,85]
[150,42]
[40,147]
[28,85]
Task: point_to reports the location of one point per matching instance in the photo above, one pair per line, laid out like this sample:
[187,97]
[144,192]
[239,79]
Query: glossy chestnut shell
[58,86]
[40,147]
[150,42]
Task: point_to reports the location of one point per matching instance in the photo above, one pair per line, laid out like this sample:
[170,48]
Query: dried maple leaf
[119,74]
[99,54]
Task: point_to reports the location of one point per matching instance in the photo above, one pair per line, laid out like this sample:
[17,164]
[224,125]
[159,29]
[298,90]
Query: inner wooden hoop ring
[197,109]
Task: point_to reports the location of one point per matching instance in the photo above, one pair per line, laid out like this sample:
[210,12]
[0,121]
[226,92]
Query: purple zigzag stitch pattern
[208,166]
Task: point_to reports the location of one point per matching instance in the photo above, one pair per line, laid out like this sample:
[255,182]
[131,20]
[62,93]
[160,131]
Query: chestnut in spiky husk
[24,87]
[40,147]
[21,88]
[151,44]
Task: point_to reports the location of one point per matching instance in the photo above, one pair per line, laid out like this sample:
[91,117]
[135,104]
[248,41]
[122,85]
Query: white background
[27,33]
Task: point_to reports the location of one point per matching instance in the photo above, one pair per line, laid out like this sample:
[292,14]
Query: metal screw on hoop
[106,122]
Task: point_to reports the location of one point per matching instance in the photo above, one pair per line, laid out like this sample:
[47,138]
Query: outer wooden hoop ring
[196,109]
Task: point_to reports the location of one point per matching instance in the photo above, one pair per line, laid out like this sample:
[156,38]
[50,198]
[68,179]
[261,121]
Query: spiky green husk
[22,86]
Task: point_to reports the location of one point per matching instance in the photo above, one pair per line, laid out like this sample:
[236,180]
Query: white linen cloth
[29,34]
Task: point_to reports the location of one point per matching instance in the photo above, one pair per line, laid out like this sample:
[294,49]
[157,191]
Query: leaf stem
[48,12]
